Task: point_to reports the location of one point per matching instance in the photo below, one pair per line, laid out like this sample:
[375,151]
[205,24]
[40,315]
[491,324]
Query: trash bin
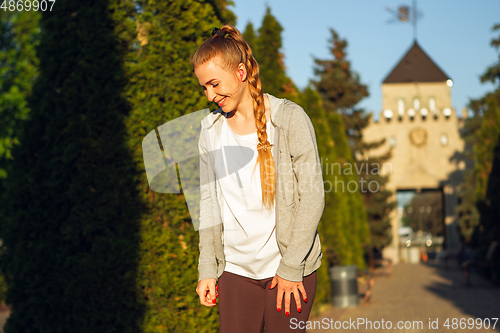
[343,280]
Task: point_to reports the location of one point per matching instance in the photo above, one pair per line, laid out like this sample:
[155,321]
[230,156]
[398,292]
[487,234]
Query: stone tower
[420,124]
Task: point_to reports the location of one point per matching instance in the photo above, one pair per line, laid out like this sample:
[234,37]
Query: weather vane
[406,14]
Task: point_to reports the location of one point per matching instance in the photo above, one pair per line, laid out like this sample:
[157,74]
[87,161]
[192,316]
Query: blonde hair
[233,50]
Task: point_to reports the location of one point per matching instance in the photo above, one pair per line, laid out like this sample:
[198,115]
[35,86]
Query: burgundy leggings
[247,305]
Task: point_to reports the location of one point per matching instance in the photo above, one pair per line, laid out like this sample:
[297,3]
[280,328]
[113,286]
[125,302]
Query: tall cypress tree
[343,227]
[375,194]
[487,171]
[341,90]
[338,84]
[70,229]
[163,87]
[473,185]
[271,60]
[480,193]
[250,37]
[468,215]
[19,35]
[486,150]
[492,73]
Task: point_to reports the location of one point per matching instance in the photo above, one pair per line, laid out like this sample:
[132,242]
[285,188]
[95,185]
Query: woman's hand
[288,287]
[207,291]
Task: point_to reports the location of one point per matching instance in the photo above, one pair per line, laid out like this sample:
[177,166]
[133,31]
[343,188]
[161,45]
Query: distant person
[262,259]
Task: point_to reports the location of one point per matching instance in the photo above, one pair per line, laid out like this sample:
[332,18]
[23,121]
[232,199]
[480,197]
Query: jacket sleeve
[307,168]
[207,265]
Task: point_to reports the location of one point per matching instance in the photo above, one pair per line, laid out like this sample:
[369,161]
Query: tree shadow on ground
[481,300]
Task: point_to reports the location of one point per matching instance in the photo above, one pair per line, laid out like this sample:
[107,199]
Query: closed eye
[214,85]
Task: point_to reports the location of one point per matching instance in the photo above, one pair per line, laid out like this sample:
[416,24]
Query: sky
[456,34]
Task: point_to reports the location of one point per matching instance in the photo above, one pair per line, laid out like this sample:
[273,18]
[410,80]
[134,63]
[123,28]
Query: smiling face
[224,87]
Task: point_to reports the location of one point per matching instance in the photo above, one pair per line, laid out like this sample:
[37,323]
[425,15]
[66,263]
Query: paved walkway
[416,295]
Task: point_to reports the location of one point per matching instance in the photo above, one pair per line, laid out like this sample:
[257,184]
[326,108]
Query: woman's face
[221,86]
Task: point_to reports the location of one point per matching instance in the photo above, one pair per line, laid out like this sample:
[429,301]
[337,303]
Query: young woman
[259,246]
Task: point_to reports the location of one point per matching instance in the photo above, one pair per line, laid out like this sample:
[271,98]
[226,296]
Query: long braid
[265,158]
[233,50]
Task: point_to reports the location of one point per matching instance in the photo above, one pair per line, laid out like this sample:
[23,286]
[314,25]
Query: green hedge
[343,227]
[72,211]
[162,87]
[19,33]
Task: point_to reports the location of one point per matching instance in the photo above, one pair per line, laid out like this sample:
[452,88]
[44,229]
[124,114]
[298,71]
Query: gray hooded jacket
[300,196]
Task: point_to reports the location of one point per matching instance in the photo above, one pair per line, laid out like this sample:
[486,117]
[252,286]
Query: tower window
[444,139]
[392,141]
[401,107]
[416,104]
[432,104]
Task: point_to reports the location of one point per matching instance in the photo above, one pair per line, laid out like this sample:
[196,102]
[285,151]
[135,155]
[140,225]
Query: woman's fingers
[287,303]
[274,282]
[300,287]
[279,298]
[200,292]
[287,288]
[303,292]
[211,299]
[206,292]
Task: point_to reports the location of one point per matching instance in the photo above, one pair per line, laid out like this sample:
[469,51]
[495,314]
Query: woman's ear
[242,72]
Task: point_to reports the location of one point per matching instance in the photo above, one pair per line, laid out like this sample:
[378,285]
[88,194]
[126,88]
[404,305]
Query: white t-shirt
[249,236]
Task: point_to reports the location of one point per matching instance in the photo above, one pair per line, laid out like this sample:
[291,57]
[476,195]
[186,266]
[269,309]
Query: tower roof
[416,66]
